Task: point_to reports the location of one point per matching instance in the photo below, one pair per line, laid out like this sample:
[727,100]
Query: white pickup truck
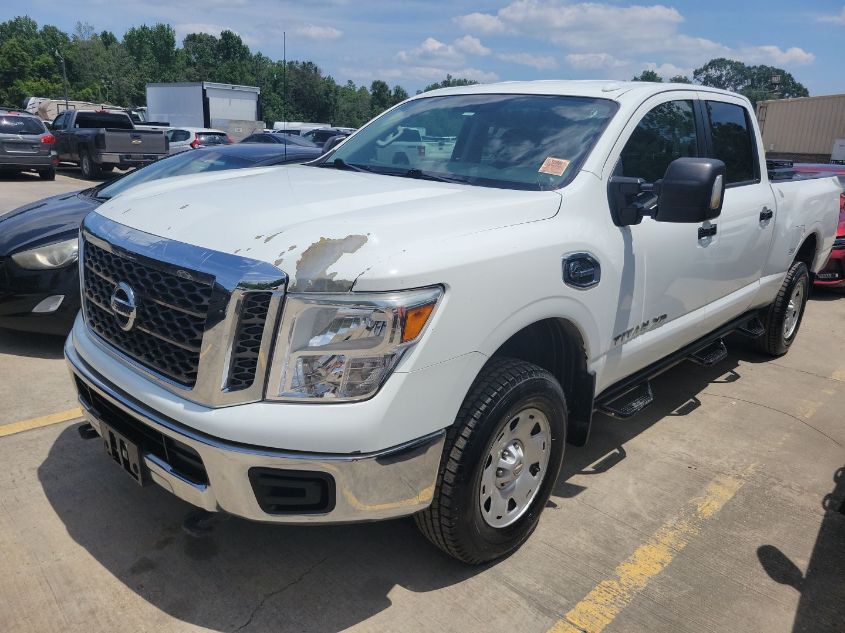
[354,340]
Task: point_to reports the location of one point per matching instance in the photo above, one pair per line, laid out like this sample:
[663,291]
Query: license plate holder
[126,453]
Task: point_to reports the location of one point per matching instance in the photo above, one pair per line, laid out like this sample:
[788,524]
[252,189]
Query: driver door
[673,257]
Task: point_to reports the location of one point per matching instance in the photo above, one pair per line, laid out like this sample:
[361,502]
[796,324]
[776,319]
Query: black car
[39,280]
[279,138]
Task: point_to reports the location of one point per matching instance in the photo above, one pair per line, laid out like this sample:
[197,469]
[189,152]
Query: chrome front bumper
[367,487]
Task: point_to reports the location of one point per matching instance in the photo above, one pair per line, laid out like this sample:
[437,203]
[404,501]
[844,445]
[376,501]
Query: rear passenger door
[744,229]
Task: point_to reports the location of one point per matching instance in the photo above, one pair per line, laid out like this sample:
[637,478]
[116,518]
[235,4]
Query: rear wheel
[90,169]
[783,317]
[501,459]
[47,174]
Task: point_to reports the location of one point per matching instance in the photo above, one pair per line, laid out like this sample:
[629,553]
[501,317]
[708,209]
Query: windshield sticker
[554,166]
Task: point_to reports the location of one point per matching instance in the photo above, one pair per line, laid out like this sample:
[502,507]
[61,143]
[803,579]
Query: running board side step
[752,329]
[710,355]
[630,403]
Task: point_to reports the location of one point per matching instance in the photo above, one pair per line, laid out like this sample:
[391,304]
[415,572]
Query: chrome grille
[247,345]
[198,322]
[171,313]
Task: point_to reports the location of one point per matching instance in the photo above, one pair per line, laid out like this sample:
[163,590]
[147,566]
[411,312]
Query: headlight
[340,348]
[50,256]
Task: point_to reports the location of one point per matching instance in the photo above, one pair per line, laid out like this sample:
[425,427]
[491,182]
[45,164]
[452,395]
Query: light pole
[64,76]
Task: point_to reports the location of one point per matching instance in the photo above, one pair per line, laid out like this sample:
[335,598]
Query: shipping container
[803,129]
[202,103]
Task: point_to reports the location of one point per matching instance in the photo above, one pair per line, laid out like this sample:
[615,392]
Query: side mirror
[332,142]
[692,190]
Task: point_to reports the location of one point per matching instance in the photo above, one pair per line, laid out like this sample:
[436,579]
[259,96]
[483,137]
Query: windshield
[12,124]
[193,162]
[533,142]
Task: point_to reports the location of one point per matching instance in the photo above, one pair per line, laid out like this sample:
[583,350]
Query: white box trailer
[199,104]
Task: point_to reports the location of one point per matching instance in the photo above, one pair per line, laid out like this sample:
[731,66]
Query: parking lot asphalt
[715,509]
[20,189]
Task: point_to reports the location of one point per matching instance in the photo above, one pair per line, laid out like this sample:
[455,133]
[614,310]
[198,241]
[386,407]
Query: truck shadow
[31,345]
[675,394]
[233,573]
[821,606]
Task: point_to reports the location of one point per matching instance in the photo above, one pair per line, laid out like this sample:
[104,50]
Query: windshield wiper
[339,163]
[424,175]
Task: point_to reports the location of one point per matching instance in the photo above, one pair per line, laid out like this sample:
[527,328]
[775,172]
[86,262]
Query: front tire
[501,459]
[783,317]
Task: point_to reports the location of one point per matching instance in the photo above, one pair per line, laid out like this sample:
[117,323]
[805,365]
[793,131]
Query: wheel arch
[558,345]
[808,251]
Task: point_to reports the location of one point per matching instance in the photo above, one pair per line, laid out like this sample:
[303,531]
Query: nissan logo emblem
[123,305]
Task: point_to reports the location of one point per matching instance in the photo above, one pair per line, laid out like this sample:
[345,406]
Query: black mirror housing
[692,190]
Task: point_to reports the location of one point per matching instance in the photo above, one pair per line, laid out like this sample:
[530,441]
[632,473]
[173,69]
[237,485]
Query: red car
[833,275]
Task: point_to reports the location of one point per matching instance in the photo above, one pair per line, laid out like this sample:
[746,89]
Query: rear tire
[515,413]
[783,317]
[90,169]
[47,174]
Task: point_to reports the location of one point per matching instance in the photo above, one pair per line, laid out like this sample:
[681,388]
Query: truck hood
[321,226]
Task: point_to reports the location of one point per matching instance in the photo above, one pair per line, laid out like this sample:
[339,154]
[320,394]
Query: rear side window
[177,136]
[667,132]
[21,125]
[732,142]
[214,139]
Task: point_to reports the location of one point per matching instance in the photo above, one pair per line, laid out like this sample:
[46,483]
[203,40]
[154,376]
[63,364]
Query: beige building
[803,129]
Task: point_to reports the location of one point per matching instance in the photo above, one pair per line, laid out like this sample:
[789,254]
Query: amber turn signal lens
[415,320]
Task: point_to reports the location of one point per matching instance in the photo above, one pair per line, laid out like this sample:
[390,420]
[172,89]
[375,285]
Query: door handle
[766,214]
[705,232]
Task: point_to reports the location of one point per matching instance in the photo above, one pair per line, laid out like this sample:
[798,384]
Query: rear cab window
[732,138]
[110,120]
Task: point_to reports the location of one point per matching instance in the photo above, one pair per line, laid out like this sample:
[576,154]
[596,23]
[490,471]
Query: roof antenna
[285,93]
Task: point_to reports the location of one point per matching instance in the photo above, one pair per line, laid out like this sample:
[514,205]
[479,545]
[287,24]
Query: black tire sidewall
[798,273]
[85,165]
[538,392]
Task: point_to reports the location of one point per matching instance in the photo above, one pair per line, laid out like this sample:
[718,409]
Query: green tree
[648,75]
[449,82]
[680,79]
[755,82]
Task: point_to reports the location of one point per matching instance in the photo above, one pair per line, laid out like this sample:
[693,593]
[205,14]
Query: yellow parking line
[44,420]
[609,597]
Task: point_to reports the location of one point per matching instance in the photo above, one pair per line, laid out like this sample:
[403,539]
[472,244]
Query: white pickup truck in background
[359,339]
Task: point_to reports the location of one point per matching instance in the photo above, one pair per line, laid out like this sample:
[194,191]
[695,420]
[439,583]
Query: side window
[59,121]
[732,142]
[667,132]
[181,135]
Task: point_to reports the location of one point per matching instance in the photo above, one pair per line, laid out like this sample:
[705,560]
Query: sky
[415,42]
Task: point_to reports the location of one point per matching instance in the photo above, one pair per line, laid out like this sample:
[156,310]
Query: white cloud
[540,62]
[834,19]
[593,61]
[319,32]
[431,50]
[635,34]
[480,23]
[471,45]
[436,73]
[668,70]
[774,55]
